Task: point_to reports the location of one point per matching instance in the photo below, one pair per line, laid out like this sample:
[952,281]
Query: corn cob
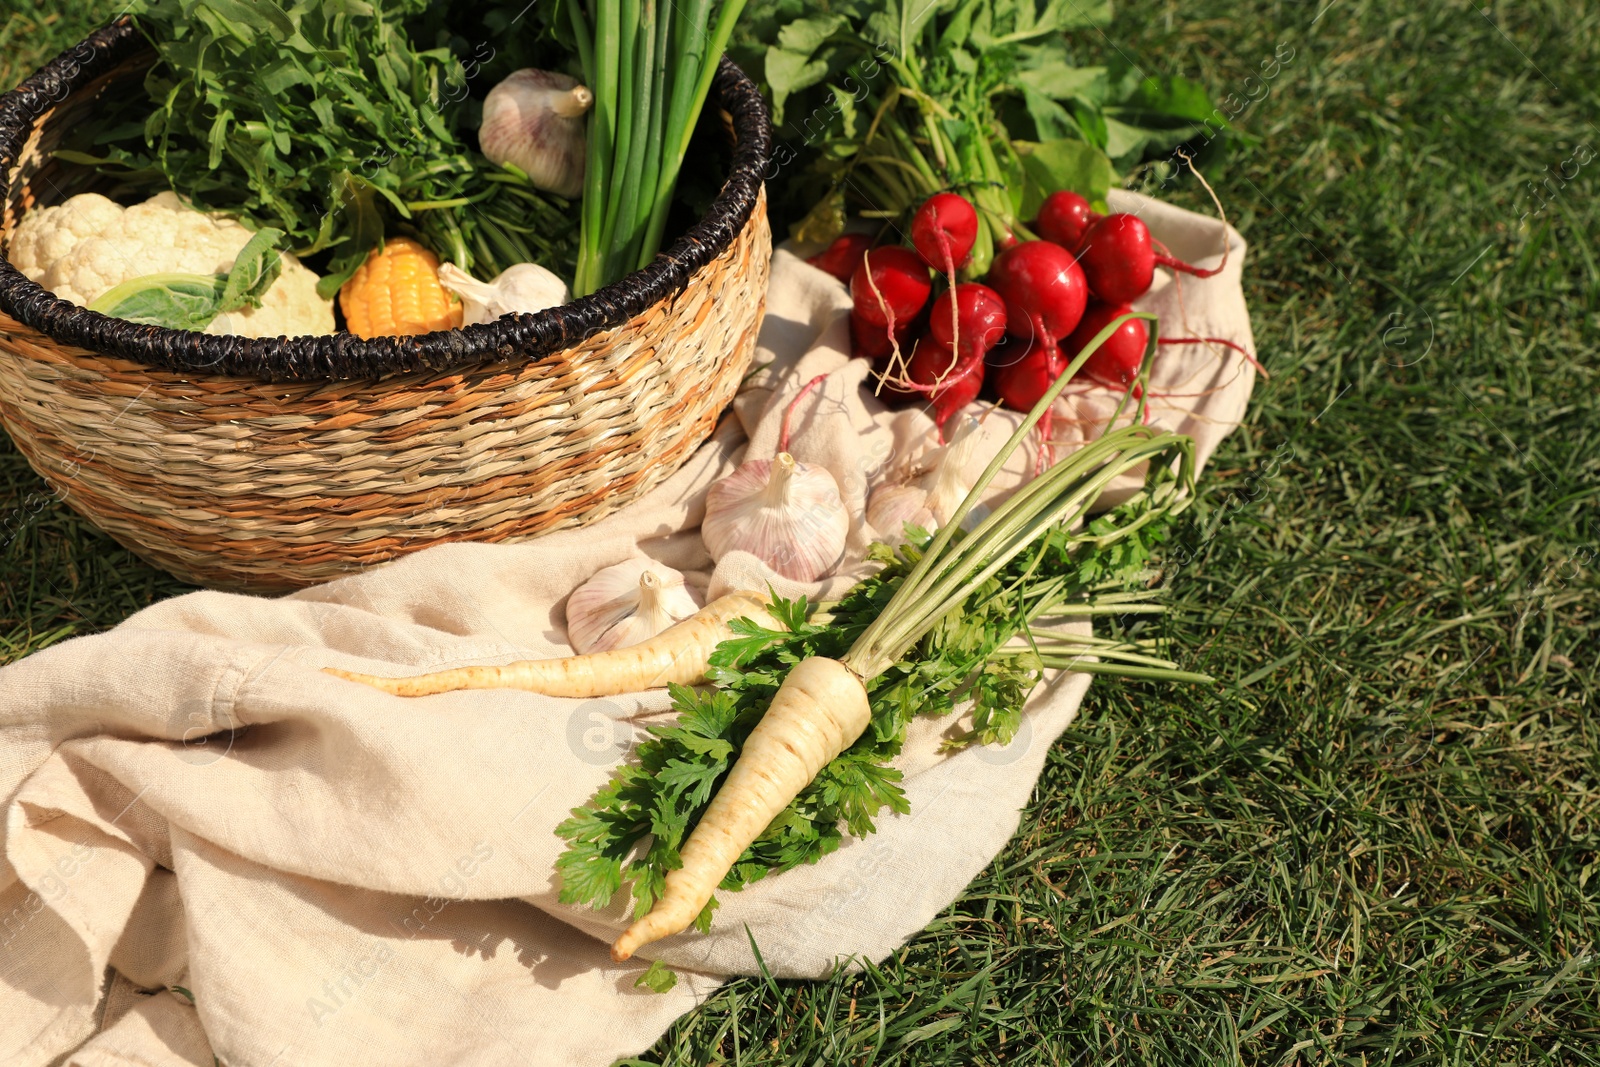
[397,291]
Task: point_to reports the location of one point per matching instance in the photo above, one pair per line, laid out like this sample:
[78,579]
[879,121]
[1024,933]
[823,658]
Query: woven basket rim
[342,355]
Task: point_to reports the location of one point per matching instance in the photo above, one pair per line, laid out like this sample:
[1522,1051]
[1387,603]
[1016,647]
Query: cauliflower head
[87,244]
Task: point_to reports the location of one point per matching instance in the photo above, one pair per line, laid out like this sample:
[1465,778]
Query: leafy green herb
[658,799]
[891,101]
[332,122]
[658,978]
[191,301]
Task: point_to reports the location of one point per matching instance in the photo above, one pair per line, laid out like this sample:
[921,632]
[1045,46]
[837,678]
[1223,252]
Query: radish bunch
[1119,260]
[929,348]
[943,342]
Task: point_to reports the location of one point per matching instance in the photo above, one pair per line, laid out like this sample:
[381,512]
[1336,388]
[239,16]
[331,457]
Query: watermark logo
[1405,336]
[1005,755]
[203,740]
[598,735]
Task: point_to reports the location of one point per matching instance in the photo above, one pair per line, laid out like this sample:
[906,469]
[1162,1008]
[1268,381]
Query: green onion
[650,67]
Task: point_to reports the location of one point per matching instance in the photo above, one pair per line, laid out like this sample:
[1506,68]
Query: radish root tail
[1178,265]
[1223,341]
[788,414]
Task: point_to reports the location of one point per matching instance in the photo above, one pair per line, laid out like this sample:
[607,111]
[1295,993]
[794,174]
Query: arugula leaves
[633,828]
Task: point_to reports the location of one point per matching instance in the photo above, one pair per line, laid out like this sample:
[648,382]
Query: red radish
[1121,262]
[1117,258]
[841,258]
[1043,288]
[1063,218]
[1024,380]
[890,286]
[970,318]
[1116,362]
[944,230]
[873,341]
[936,373]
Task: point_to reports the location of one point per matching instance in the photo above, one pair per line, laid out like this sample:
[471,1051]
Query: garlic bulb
[626,604]
[520,288]
[786,514]
[534,121]
[930,496]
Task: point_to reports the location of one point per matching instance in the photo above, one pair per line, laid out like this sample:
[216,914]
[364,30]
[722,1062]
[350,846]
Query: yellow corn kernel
[397,291]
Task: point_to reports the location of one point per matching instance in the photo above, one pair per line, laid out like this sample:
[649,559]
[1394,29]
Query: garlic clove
[475,296]
[627,603]
[534,120]
[522,288]
[930,493]
[787,514]
[948,485]
[527,287]
[893,505]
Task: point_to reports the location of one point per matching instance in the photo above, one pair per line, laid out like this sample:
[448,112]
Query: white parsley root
[677,655]
[818,712]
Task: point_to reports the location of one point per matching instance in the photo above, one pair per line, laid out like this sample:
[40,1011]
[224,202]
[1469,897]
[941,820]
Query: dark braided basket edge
[343,355]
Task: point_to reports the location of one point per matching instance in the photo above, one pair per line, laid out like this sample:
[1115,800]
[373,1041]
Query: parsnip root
[817,713]
[677,654]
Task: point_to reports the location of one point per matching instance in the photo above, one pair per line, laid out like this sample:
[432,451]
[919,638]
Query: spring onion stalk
[650,65]
[668,181]
[597,50]
[651,162]
[628,61]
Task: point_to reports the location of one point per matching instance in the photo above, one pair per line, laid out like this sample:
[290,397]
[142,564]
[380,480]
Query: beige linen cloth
[211,848]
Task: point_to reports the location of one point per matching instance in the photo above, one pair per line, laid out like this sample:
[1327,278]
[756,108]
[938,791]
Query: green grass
[59,577]
[1377,843]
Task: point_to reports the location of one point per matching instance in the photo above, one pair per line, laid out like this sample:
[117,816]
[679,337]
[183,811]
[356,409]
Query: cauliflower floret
[86,245]
[48,234]
[290,307]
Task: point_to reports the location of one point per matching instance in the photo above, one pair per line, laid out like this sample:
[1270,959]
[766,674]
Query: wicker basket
[267,465]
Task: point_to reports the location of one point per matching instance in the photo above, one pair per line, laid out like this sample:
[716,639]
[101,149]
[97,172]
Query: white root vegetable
[817,713]
[625,604]
[677,655]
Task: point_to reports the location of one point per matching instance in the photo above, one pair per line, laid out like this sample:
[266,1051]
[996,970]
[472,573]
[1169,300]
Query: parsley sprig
[980,652]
